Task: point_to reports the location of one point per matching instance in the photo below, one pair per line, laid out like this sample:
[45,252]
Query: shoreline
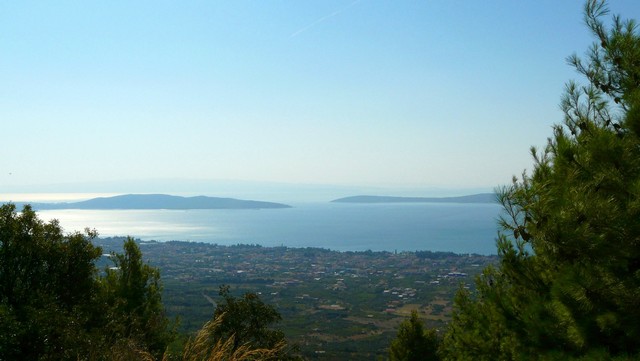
[255,246]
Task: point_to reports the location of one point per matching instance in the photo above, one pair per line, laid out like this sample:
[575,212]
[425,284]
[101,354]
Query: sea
[458,228]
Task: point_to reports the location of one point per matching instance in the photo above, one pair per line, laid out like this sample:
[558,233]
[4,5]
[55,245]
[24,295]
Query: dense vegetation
[54,304]
[413,342]
[566,287]
[568,282]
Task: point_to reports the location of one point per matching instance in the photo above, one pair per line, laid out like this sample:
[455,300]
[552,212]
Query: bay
[459,228]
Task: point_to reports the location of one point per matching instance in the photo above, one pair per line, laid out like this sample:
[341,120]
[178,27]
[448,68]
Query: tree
[47,288]
[55,306]
[568,282]
[134,293]
[413,342]
[247,321]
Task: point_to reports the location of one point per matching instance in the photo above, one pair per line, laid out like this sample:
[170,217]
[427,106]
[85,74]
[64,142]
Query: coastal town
[325,297]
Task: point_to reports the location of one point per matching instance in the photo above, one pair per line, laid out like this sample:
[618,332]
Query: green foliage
[54,305]
[47,281]
[568,283]
[200,348]
[413,342]
[133,291]
[247,321]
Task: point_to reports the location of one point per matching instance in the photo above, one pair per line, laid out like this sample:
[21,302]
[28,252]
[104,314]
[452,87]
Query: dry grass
[200,348]
[127,350]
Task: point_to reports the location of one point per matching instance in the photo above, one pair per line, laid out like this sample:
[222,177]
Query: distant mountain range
[474,198]
[160,201]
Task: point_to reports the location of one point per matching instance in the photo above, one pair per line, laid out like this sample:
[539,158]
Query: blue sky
[448,94]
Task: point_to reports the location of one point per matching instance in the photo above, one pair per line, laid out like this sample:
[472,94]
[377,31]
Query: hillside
[160,201]
[474,198]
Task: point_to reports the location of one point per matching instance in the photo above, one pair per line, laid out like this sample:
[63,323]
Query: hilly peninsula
[160,201]
[474,198]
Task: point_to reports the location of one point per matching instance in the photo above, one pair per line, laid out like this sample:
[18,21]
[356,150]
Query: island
[160,201]
[474,198]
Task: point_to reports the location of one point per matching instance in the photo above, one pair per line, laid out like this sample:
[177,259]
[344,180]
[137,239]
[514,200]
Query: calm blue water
[460,228]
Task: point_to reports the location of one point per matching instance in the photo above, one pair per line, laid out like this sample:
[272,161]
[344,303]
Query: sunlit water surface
[460,228]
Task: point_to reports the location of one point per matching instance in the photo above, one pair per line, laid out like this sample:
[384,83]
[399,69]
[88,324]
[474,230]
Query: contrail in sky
[337,12]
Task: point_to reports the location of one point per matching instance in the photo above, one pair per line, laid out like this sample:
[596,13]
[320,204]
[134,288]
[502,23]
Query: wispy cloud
[318,21]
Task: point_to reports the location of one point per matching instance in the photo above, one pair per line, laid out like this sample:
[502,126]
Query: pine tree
[568,282]
[413,342]
[248,322]
[137,319]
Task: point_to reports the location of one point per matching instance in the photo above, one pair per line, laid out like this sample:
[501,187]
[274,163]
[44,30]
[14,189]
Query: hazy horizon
[264,191]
